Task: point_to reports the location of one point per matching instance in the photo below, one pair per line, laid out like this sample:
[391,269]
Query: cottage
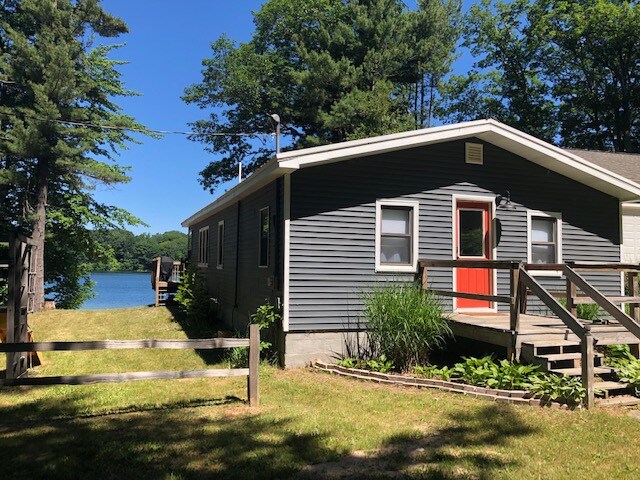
[313,228]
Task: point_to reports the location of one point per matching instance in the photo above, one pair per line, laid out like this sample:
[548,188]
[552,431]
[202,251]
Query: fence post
[254,363]
[514,310]
[588,348]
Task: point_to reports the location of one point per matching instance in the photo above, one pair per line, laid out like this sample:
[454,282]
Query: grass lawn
[310,424]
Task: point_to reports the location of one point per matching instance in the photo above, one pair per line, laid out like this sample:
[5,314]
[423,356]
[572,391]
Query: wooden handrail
[493,264]
[608,306]
[562,313]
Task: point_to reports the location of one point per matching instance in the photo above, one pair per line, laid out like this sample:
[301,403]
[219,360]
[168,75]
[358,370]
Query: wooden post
[514,310]
[254,363]
[588,351]
[632,291]
[424,279]
[571,298]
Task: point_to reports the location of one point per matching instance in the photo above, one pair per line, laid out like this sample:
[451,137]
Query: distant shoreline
[120,271]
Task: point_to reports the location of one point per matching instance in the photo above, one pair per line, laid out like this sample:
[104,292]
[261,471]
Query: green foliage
[193,297]
[404,323]
[265,316]
[54,77]
[627,366]
[585,311]
[333,70]
[486,372]
[559,387]
[133,253]
[4,291]
[562,70]
[381,364]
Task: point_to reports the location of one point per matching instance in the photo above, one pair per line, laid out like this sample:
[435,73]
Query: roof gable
[533,149]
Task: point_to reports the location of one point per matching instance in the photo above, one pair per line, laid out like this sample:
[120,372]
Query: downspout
[237,273]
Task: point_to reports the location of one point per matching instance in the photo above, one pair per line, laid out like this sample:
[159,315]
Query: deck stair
[564,357]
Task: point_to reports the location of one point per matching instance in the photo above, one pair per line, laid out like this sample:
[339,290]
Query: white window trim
[260,236]
[200,263]
[415,205]
[558,217]
[220,243]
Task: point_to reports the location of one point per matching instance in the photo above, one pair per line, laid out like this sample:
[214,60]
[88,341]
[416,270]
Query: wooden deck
[493,328]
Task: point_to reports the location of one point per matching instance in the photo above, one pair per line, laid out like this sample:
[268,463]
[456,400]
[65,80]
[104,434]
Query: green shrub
[265,317]
[381,364]
[405,324]
[4,291]
[559,387]
[627,366]
[192,296]
[585,311]
[485,372]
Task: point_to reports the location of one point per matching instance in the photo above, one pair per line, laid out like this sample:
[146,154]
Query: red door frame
[474,280]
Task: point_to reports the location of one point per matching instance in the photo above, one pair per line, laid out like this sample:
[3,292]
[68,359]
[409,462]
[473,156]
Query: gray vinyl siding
[332,227]
[254,284]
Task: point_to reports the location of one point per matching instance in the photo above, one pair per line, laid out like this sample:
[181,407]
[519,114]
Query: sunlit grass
[203,428]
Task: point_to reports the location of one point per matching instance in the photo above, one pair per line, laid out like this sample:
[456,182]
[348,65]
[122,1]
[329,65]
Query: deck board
[493,328]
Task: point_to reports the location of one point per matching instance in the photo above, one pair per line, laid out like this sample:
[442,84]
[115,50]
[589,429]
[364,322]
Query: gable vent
[473,153]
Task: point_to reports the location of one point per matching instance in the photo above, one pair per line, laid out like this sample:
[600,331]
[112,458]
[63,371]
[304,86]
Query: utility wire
[143,130]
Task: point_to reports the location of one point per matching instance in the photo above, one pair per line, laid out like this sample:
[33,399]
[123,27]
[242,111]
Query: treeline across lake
[126,252]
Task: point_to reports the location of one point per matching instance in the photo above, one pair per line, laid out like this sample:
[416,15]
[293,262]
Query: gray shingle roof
[625,164]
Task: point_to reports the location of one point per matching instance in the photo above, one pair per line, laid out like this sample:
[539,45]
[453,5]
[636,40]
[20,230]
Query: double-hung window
[263,245]
[545,238]
[396,236]
[203,247]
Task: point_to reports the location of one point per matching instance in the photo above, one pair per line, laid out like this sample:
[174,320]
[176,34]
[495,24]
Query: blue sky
[165,48]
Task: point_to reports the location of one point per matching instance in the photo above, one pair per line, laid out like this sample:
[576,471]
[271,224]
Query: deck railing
[521,283]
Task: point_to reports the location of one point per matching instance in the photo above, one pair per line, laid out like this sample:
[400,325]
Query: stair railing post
[254,364]
[571,296]
[588,367]
[632,291]
[514,309]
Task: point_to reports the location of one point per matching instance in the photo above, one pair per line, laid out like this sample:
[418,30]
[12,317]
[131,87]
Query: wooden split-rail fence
[522,283]
[252,343]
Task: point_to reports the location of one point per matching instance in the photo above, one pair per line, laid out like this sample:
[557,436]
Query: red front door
[473,242]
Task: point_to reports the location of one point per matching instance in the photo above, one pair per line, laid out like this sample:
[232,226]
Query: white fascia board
[376,145]
[261,177]
[492,131]
[561,161]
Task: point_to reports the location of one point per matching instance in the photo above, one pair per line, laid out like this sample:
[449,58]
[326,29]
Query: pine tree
[54,81]
[333,70]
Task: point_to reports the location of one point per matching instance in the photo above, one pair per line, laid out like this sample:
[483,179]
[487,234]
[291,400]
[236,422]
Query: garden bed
[519,397]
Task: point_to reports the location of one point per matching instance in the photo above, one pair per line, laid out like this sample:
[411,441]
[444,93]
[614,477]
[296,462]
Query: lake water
[120,290]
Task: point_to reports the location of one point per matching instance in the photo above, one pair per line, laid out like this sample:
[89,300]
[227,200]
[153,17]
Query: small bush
[405,324]
[627,366]
[382,364]
[4,292]
[585,311]
[265,317]
[192,296]
[485,372]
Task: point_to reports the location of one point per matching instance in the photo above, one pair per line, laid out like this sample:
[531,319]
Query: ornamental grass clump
[405,324]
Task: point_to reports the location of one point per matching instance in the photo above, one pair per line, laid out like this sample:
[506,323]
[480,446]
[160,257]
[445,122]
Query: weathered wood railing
[253,343]
[521,282]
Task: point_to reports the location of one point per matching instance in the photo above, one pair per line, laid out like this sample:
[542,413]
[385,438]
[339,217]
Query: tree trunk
[38,231]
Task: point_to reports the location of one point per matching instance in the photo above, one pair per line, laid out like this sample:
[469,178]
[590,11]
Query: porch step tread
[574,372]
[620,401]
[551,343]
[610,385]
[554,357]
